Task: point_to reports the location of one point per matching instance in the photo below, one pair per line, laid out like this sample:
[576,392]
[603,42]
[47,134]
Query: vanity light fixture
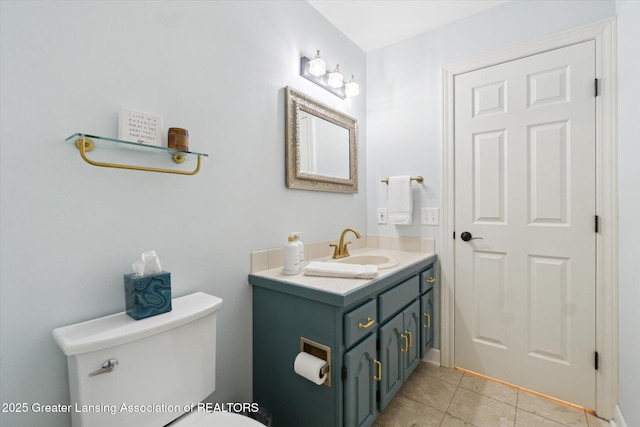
[315,71]
[317,67]
[335,79]
[351,88]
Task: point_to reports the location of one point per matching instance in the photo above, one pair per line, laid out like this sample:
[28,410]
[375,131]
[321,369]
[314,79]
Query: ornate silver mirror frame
[297,106]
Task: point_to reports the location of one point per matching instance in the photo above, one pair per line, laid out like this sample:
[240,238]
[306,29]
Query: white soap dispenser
[291,257]
[300,246]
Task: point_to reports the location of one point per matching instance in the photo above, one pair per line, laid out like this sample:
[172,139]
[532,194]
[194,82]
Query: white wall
[404,93]
[70,231]
[629,207]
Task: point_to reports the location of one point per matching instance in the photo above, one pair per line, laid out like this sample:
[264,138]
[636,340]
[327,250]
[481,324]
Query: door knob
[466,236]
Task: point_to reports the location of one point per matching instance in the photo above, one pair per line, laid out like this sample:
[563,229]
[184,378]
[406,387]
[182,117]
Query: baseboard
[432,357]
[618,419]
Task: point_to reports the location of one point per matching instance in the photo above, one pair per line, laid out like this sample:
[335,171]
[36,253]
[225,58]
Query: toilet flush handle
[107,366]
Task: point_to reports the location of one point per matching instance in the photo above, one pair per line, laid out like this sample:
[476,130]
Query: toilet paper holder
[321,352]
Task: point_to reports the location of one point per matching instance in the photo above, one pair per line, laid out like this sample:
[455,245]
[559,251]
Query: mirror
[321,145]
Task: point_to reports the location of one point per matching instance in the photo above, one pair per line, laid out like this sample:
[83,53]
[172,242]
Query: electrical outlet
[382,215]
[429,216]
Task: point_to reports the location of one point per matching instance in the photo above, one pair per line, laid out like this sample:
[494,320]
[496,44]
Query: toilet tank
[166,363]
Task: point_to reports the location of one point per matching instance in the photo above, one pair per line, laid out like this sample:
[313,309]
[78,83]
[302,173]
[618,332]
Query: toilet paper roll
[308,366]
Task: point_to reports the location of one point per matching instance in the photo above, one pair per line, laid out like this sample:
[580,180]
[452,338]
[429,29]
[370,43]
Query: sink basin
[380,261]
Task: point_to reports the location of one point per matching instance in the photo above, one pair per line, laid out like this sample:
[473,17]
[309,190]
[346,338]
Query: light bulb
[351,88]
[335,78]
[317,67]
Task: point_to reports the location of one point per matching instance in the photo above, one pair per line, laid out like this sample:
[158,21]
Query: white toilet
[164,366]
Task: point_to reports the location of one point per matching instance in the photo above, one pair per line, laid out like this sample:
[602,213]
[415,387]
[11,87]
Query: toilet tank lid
[119,328]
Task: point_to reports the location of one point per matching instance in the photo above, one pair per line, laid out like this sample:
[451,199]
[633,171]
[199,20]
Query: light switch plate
[382,215]
[430,216]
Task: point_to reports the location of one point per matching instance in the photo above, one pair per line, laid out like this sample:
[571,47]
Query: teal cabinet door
[411,317]
[399,351]
[426,304]
[361,384]
[392,343]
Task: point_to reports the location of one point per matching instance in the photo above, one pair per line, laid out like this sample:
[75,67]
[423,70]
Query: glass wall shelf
[87,143]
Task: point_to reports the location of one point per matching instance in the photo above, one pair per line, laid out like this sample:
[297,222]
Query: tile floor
[442,397]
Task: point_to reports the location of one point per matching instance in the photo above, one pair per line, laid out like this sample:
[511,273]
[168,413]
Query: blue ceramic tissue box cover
[147,295]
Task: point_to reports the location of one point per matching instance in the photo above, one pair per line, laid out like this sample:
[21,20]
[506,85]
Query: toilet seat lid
[217,419]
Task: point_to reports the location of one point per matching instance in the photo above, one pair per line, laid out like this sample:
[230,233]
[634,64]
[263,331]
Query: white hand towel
[335,269]
[400,200]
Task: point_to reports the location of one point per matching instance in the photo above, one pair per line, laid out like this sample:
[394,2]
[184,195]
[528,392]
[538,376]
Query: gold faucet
[341,250]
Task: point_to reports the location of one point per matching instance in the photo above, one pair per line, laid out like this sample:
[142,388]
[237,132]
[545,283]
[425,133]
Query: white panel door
[525,185]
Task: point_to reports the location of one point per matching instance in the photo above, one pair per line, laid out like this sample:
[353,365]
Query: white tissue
[148,264]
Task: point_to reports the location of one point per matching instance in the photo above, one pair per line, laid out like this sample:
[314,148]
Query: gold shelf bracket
[85,145]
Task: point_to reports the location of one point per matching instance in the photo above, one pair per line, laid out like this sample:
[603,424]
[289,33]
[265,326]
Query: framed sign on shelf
[137,126]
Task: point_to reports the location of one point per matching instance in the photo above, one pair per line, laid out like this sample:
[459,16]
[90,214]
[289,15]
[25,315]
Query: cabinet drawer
[360,322]
[393,300]
[427,279]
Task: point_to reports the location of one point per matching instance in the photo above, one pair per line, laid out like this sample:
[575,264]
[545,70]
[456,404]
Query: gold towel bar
[413,178]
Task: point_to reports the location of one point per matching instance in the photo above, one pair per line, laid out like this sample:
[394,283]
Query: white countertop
[343,286]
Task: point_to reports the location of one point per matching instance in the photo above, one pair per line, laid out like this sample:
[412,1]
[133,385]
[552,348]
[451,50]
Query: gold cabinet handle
[369,323]
[379,377]
[428,317]
[431,280]
[406,343]
[410,338]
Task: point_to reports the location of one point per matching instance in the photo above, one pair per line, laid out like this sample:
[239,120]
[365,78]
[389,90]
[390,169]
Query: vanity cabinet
[375,334]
